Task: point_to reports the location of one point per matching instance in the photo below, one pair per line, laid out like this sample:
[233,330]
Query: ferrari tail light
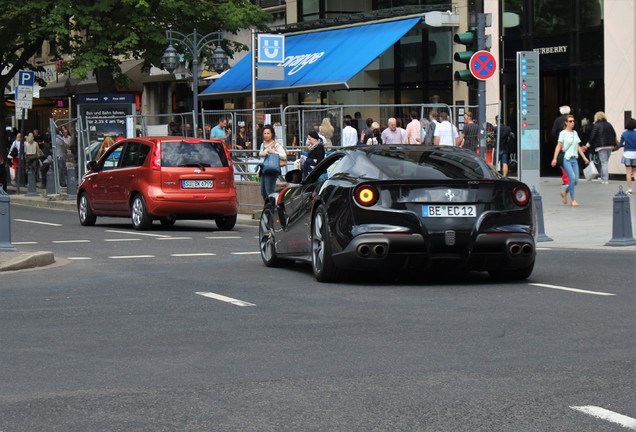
[155,163]
[366,195]
[521,195]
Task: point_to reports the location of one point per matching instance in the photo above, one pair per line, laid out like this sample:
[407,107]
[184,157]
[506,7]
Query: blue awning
[318,60]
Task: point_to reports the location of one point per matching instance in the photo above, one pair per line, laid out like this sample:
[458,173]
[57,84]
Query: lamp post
[194,44]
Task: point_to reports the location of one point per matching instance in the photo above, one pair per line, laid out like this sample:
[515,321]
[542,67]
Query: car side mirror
[91,166]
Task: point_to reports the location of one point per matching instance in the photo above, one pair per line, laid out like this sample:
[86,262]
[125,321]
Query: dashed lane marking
[122,240]
[608,415]
[79,258]
[130,256]
[137,233]
[245,253]
[224,237]
[24,243]
[193,254]
[38,222]
[576,290]
[175,238]
[223,298]
[70,241]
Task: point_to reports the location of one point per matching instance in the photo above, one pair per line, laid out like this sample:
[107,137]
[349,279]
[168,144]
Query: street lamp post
[194,44]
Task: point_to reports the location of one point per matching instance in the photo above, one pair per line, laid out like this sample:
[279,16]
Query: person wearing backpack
[506,136]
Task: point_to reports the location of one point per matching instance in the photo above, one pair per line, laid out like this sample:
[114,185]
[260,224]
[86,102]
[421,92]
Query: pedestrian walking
[628,142]
[568,144]
[602,141]
[270,146]
[469,138]
[557,127]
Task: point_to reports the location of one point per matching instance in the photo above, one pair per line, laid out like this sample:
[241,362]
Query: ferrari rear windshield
[428,164]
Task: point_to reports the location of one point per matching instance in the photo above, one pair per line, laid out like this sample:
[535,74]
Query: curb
[11,261]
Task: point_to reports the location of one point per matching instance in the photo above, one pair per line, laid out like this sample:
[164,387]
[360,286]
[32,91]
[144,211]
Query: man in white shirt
[414,130]
[391,135]
[445,132]
[349,134]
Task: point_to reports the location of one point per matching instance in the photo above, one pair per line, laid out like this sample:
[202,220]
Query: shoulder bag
[271,164]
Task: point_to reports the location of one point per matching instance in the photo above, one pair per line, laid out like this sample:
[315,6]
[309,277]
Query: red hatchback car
[165,178]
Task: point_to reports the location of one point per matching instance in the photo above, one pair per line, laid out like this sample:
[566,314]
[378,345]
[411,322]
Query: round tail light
[366,195]
[521,195]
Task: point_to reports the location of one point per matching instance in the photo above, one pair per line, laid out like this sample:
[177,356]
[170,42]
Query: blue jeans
[571,167]
[268,184]
[603,156]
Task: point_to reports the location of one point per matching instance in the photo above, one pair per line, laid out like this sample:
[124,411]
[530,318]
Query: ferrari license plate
[449,211]
[197,184]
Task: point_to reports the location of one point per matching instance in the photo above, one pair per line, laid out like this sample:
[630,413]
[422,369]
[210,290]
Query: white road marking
[175,238]
[121,240]
[608,415]
[137,233]
[576,290]
[79,258]
[71,241]
[225,299]
[226,237]
[193,254]
[37,222]
[130,256]
[245,253]
[24,243]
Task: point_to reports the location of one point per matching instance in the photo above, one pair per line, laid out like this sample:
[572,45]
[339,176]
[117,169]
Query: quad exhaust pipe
[372,250]
[520,249]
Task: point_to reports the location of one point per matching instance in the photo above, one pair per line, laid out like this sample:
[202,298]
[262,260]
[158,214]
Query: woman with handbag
[568,144]
[316,149]
[273,154]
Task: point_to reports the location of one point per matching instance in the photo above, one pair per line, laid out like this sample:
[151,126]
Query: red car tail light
[155,163]
[366,195]
[521,195]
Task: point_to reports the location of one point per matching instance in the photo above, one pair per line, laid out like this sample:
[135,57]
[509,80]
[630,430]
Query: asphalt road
[128,332]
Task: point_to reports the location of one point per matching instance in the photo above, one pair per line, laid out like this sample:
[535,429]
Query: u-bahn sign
[483,65]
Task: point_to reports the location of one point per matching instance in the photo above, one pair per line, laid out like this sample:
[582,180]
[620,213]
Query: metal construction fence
[91,136]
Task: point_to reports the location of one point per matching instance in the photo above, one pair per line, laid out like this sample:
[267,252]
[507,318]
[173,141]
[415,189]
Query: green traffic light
[463,57]
[464,75]
[466,38]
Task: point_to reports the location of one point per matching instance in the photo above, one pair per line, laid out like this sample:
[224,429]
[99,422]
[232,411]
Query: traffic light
[468,39]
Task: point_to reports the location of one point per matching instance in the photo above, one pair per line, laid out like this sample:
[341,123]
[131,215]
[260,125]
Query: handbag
[271,164]
[590,172]
[14,152]
[560,158]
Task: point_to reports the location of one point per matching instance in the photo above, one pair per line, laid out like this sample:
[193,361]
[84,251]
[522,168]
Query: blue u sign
[271,48]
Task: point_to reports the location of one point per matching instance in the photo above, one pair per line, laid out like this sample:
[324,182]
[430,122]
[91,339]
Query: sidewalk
[589,226]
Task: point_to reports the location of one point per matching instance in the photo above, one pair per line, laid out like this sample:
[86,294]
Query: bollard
[5,223]
[538,207]
[50,182]
[71,183]
[621,221]
[31,189]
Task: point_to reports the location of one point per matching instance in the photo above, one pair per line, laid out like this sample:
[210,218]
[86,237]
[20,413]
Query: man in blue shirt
[220,130]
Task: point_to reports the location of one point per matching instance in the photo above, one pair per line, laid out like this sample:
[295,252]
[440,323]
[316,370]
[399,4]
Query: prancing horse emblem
[450,195]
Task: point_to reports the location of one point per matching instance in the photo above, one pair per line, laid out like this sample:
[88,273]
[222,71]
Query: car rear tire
[512,275]
[141,220]
[84,211]
[225,223]
[321,260]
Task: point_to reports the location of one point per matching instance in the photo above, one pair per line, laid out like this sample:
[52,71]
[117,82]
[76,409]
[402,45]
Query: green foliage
[99,34]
